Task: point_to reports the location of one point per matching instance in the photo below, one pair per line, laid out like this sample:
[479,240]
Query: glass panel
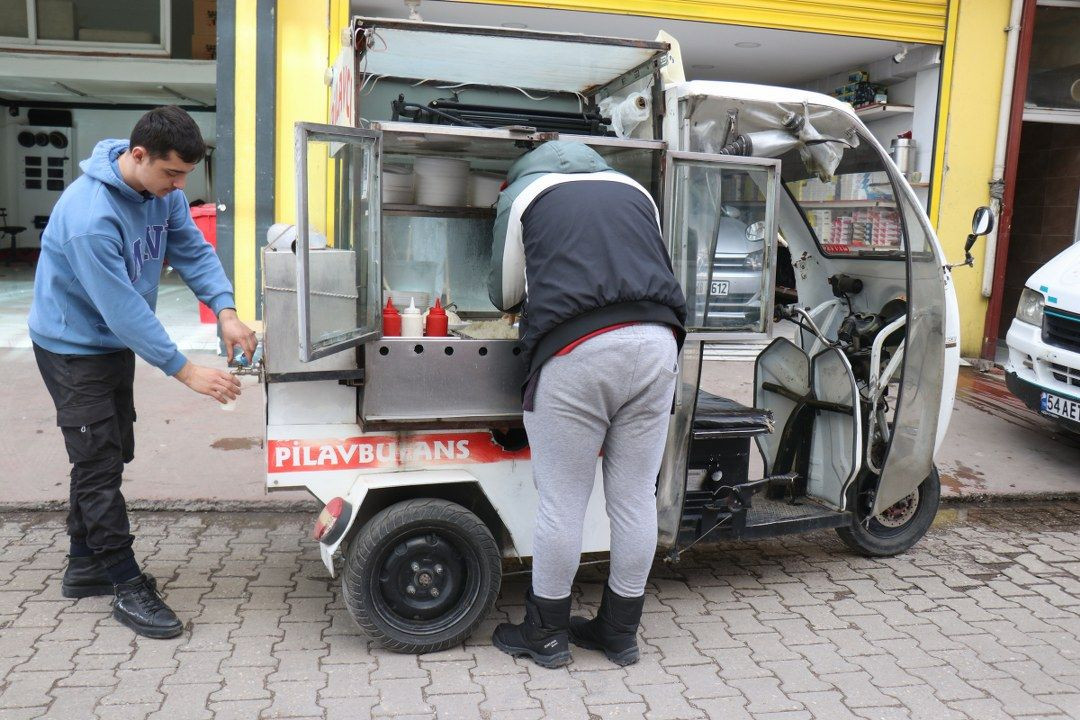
[915,421]
[13,19]
[338,229]
[439,257]
[1054,73]
[854,214]
[721,244]
[108,21]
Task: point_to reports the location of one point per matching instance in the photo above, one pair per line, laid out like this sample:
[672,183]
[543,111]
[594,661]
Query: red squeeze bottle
[391,320]
[437,323]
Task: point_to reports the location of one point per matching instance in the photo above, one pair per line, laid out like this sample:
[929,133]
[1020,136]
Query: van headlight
[755,260]
[1030,307]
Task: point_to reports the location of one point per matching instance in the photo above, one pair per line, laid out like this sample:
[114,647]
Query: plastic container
[391,320]
[205,217]
[412,324]
[437,325]
[902,151]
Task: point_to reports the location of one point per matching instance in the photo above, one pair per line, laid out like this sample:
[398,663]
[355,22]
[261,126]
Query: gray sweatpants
[611,393]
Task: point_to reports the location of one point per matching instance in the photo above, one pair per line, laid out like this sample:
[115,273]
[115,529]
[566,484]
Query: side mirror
[982,222]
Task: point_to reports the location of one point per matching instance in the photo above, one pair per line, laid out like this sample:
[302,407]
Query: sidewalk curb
[1011,498]
[167,505]
[312,505]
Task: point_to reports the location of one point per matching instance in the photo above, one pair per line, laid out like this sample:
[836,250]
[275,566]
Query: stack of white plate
[441,181]
[397,185]
[484,188]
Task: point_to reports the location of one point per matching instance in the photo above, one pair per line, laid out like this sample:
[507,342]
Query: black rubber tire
[404,522]
[875,540]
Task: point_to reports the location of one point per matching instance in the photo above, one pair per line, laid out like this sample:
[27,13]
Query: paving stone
[923,704]
[29,689]
[199,666]
[703,681]
[401,696]
[73,702]
[53,655]
[622,711]
[505,693]
[765,696]
[354,708]
[726,708]
[450,678]
[294,700]
[137,686]
[679,651]
[298,666]
[858,690]
[457,707]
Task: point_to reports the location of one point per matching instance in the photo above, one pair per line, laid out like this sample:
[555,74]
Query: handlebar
[797,315]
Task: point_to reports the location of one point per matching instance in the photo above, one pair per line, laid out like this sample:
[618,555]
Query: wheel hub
[901,512]
[422,577]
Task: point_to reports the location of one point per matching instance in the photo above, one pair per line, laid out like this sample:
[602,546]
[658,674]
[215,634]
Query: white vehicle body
[1044,348]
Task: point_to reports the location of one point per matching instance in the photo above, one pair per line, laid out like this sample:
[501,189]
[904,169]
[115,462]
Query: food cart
[415,444]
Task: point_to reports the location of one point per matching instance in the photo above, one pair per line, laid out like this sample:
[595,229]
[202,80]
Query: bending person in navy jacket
[579,253]
[95,293]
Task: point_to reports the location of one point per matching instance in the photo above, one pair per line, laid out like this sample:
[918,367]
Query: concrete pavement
[192,455]
[980,621]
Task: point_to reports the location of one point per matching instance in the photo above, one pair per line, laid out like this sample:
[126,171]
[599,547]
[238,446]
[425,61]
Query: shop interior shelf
[848,203]
[878,111]
[438,210]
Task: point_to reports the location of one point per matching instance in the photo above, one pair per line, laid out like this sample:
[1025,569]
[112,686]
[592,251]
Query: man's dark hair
[169,128]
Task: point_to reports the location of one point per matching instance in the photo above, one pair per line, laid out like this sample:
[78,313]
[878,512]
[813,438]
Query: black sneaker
[86,577]
[543,635]
[138,605]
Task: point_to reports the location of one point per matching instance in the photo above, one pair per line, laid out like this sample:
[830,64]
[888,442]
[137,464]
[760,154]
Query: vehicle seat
[717,417]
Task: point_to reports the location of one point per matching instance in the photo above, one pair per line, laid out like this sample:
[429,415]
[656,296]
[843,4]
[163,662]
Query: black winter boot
[614,630]
[138,605]
[86,577]
[542,636]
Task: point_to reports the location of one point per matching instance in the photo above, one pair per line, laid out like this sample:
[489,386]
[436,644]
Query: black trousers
[95,409]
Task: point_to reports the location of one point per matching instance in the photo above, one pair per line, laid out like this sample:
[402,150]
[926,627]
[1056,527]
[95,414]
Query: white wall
[89,127]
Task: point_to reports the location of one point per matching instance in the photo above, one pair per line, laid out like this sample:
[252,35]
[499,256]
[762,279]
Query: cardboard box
[56,19]
[205,13]
[204,47]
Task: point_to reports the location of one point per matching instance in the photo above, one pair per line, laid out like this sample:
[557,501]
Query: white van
[1044,341]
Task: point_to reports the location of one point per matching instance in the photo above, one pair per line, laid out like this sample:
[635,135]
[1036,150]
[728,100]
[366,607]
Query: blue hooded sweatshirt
[101,257]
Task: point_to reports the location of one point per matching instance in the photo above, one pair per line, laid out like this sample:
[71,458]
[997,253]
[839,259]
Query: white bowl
[484,188]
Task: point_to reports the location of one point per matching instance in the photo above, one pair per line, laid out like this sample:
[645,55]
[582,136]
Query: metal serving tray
[428,382]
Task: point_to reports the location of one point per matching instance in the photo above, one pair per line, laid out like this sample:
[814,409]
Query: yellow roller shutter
[920,21]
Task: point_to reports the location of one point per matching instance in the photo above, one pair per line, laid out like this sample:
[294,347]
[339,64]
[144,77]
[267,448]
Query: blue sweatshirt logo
[148,248]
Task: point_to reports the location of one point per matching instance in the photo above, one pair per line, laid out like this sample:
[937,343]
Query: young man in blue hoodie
[93,310]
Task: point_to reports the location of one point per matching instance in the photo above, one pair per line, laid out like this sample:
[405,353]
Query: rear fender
[370,493]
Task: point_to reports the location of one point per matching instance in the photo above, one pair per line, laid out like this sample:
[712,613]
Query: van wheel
[421,575]
[897,528]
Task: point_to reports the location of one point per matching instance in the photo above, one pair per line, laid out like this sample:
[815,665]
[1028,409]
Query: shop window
[855,211]
[13,21]
[1054,73]
[108,25]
